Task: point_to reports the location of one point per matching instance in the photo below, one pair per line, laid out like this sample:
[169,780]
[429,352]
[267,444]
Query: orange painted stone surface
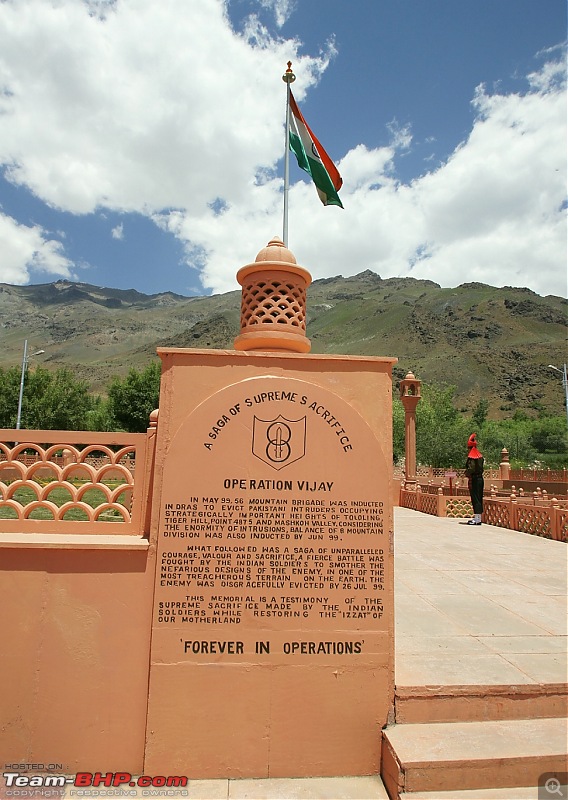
[272,644]
[74,666]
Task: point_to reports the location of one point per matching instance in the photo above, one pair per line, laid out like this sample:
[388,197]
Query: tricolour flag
[313,158]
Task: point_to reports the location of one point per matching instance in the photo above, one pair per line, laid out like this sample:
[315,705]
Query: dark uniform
[474,472]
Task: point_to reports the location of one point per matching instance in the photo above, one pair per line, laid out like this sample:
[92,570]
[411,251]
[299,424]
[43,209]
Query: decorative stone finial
[410,386]
[275,250]
[273,304]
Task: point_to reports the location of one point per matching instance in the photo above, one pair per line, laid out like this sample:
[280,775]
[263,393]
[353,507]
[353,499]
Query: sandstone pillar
[410,397]
[504,466]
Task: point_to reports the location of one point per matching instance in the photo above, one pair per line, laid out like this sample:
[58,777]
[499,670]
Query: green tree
[9,393]
[548,435]
[479,414]
[398,432]
[131,401]
[514,434]
[99,417]
[50,401]
[55,400]
[441,433]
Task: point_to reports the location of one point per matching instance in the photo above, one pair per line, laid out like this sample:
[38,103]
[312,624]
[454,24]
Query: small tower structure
[410,397]
[504,465]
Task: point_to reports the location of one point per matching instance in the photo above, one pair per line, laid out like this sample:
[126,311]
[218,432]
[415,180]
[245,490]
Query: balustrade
[537,515]
[79,482]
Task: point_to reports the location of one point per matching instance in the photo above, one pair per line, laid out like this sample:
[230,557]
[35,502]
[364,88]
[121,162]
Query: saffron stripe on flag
[312,157]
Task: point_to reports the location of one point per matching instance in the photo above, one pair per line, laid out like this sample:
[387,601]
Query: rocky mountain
[488,342]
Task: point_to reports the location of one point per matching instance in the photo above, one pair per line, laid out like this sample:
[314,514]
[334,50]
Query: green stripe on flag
[317,170]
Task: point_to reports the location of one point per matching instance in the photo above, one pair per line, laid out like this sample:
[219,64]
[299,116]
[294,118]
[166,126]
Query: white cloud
[118,232]
[103,114]
[98,114]
[282,9]
[25,248]
[492,213]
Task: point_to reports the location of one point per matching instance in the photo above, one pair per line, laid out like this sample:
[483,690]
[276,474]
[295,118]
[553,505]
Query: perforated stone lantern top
[273,303]
[410,386]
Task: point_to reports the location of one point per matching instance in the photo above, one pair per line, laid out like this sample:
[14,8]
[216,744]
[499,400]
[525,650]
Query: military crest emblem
[280,441]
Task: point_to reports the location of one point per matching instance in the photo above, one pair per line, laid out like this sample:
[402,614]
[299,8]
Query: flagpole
[288,78]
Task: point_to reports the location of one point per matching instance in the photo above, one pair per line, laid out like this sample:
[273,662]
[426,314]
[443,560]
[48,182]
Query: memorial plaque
[272,631]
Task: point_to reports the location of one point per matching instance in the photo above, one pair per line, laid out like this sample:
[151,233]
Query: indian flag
[313,159]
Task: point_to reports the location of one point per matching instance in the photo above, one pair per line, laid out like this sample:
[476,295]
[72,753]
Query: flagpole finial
[289,76]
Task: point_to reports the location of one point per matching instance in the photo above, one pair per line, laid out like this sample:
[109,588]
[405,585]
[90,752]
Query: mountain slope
[488,342]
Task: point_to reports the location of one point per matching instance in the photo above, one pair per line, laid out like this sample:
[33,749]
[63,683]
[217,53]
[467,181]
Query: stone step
[518,793]
[451,756]
[417,704]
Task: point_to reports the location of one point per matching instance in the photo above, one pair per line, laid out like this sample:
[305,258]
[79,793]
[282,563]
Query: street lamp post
[25,360]
[564,384]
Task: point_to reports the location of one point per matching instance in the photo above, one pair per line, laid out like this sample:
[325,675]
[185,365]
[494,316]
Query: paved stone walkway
[477,604]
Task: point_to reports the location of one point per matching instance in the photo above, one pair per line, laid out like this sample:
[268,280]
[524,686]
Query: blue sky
[141,144]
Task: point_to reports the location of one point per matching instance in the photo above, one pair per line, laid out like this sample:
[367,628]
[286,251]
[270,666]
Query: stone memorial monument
[272,633]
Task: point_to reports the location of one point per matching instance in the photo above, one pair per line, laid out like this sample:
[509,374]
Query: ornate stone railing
[439,474]
[543,475]
[76,482]
[537,515]
[434,488]
[96,461]
[547,519]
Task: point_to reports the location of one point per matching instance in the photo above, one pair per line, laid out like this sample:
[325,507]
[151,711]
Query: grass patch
[59,496]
